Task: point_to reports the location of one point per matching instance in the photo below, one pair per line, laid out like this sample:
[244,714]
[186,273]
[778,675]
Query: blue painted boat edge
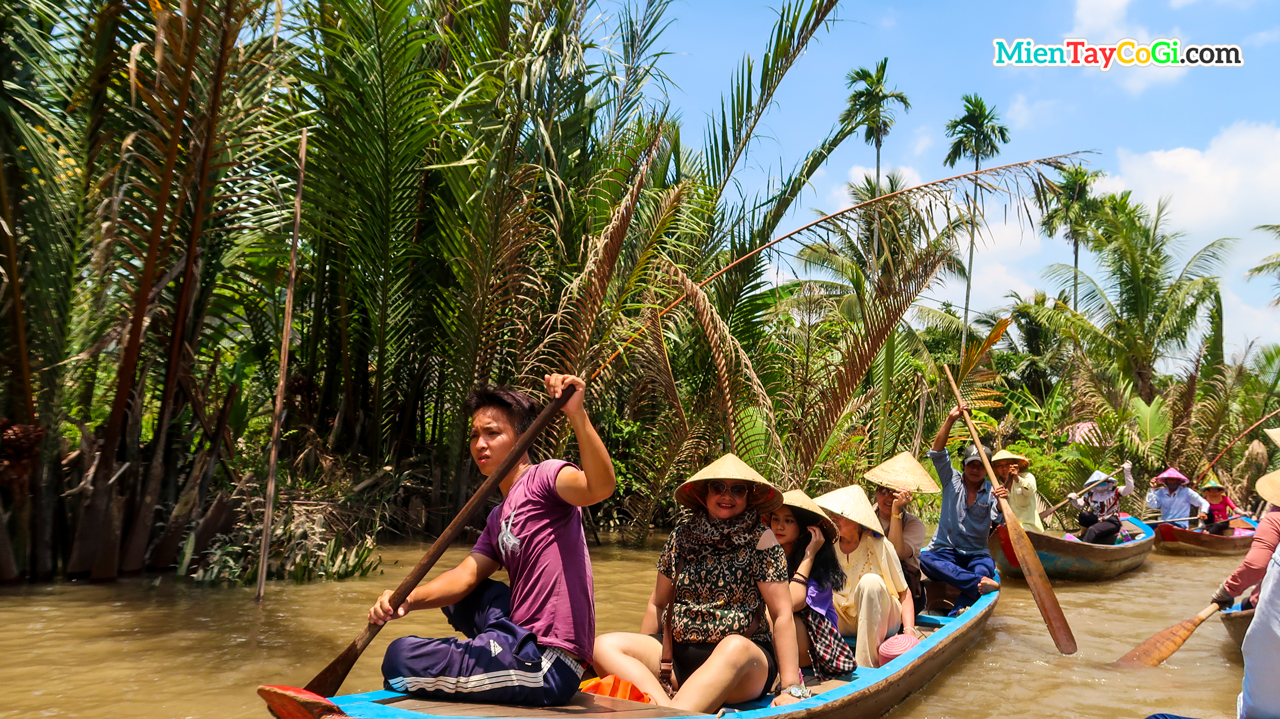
[1147,530]
[1237,607]
[363,706]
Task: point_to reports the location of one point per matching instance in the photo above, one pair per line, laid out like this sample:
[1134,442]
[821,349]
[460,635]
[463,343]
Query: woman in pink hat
[1170,494]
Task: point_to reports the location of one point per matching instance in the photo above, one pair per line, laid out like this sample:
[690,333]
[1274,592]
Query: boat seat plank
[582,706]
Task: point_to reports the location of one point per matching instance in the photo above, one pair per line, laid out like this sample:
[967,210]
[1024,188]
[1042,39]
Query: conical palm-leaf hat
[851,503]
[903,472]
[764,497]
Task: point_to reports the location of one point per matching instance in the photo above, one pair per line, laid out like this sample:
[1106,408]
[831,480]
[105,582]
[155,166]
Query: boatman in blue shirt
[1170,494]
[958,554]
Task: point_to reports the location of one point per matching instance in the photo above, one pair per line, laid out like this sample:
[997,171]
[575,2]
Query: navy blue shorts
[499,663]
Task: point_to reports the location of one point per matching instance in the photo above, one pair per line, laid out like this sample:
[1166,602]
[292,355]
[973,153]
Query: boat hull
[1076,561]
[869,693]
[1194,542]
[1237,622]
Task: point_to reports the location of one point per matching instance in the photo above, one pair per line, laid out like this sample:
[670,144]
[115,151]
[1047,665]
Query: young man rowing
[526,644]
[958,554]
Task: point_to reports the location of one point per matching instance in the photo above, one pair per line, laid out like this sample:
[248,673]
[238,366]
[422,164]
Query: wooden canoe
[1237,622]
[1197,542]
[1074,560]
[865,694]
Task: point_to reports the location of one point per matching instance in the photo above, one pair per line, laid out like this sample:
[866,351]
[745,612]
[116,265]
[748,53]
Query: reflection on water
[135,650]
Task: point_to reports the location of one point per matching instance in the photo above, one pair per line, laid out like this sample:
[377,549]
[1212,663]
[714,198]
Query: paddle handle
[1088,486]
[1032,570]
[328,681]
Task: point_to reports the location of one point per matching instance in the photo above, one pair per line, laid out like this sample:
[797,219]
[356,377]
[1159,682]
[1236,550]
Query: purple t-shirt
[538,538]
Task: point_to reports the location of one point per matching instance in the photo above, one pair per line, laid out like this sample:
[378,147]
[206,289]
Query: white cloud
[1105,22]
[923,141]
[992,282]
[838,197]
[1023,114]
[1264,37]
[1223,190]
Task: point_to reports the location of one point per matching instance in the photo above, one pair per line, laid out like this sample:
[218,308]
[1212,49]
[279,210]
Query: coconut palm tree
[1270,264]
[870,106]
[1146,306]
[1073,210]
[978,135]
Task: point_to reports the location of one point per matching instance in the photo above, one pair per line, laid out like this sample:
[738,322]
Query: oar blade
[1164,643]
[330,679]
[1034,574]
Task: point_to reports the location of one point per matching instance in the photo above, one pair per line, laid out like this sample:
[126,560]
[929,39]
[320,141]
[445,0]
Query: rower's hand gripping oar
[328,681]
[1164,643]
[1032,570]
[1049,512]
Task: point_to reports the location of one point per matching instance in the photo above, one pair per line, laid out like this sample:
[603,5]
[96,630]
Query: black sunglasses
[736,490]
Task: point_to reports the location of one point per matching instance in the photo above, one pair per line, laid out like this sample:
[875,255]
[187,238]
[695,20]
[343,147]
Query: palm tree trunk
[1075,275]
[968,280]
[15,283]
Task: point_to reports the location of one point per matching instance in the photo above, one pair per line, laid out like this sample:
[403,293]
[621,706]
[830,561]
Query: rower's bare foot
[987,585]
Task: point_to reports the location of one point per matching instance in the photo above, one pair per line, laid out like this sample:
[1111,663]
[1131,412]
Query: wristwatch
[799,691]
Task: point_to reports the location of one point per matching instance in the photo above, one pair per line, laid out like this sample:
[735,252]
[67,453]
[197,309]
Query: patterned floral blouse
[716,593]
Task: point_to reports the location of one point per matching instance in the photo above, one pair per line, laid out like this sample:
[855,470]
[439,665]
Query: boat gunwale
[1103,556]
[1196,541]
[866,681]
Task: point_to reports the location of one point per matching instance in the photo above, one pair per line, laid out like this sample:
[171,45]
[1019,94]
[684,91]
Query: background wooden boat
[1237,621]
[1197,542]
[866,694]
[1077,561]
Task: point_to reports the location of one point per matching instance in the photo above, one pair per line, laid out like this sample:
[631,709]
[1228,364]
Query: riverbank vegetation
[494,191]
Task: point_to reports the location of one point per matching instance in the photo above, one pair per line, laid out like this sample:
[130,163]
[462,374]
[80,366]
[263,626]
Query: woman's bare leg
[735,672]
[636,658]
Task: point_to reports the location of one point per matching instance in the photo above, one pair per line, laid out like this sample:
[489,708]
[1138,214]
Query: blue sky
[1208,138]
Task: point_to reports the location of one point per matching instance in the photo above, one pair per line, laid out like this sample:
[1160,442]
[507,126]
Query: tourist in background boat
[1100,517]
[1170,494]
[875,602]
[1021,484]
[526,643]
[896,480]
[720,569]
[1220,506]
[1254,567]
[806,535]
[958,554]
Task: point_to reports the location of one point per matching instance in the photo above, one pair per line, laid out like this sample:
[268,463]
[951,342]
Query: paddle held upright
[328,681]
[1032,569]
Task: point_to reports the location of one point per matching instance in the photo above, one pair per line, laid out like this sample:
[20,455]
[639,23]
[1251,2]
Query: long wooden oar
[328,681]
[1049,512]
[1185,519]
[1164,643]
[1032,569]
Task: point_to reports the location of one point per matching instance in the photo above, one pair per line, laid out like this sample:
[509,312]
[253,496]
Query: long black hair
[826,570]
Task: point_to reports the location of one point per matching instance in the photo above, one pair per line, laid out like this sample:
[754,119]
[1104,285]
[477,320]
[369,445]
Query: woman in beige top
[875,602]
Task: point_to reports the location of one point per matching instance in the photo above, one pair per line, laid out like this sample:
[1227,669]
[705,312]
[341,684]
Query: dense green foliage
[493,192]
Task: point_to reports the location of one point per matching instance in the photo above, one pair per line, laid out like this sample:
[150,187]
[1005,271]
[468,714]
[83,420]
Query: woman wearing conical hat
[1023,493]
[719,571]
[897,481]
[875,602]
[1220,506]
[1100,515]
[807,536]
[1260,695]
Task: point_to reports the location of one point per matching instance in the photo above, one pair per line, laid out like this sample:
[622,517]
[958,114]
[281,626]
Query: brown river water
[141,650]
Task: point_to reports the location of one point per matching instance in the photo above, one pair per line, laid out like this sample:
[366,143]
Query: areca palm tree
[1270,265]
[870,106]
[1072,211]
[977,134]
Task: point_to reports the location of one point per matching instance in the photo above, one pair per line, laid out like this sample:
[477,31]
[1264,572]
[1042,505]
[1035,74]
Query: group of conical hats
[902,472]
